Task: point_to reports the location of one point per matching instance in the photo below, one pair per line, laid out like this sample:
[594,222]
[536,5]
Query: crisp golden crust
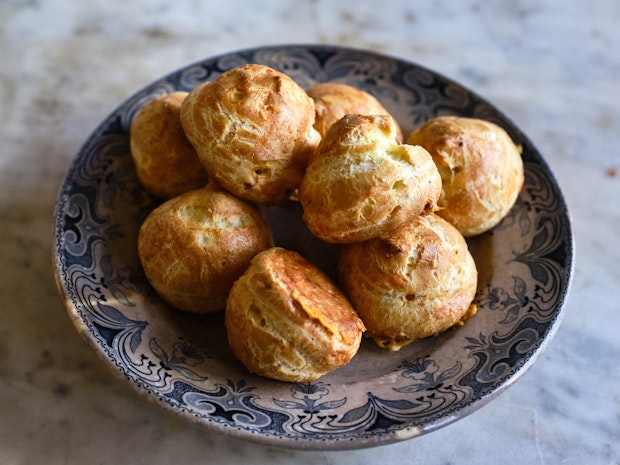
[361,183]
[166,163]
[253,130]
[287,321]
[417,282]
[480,167]
[194,246]
[333,101]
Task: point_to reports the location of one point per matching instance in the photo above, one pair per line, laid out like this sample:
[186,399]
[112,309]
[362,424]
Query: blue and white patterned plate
[182,362]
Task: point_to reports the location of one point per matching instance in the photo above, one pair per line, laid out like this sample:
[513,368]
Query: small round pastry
[414,283]
[252,127]
[166,163]
[361,183]
[194,246]
[286,320]
[481,170]
[333,101]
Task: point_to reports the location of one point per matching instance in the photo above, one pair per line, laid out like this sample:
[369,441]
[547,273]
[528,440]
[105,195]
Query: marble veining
[65,65]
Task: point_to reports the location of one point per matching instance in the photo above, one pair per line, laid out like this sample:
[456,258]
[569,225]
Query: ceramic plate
[182,362]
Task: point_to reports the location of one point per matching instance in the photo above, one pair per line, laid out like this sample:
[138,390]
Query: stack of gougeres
[399,212]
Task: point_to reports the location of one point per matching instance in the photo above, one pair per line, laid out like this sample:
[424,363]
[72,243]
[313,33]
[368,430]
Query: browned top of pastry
[361,183]
[286,320]
[480,166]
[166,163]
[194,246]
[334,100]
[416,282]
[253,130]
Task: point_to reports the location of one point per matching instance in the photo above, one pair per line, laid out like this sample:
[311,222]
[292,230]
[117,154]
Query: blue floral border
[98,288]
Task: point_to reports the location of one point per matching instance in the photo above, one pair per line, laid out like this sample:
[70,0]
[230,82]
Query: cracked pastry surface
[414,283]
[252,128]
[166,162]
[481,170]
[361,182]
[286,320]
[334,100]
[194,246]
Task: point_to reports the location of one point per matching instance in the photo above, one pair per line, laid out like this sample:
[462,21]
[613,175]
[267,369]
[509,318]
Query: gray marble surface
[552,66]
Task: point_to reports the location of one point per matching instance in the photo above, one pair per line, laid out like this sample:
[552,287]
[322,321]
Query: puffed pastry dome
[333,100]
[361,182]
[414,283]
[252,127]
[286,320]
[194,246]
[481,170]
[166,162]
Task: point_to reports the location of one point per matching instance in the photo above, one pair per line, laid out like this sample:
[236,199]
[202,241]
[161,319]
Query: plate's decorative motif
[182,361]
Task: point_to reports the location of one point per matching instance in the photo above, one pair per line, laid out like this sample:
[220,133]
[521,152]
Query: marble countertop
[551,66]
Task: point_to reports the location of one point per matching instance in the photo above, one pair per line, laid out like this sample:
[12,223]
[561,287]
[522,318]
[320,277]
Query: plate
[182,362]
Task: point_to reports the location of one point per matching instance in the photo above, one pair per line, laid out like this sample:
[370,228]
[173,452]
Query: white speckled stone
[552,66]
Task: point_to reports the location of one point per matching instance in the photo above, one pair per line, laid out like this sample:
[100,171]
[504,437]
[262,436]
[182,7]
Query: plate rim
[371,439]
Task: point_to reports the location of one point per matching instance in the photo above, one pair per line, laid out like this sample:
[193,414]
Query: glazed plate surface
[182,362]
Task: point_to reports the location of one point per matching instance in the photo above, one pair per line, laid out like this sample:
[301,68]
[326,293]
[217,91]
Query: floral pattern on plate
[182,362]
